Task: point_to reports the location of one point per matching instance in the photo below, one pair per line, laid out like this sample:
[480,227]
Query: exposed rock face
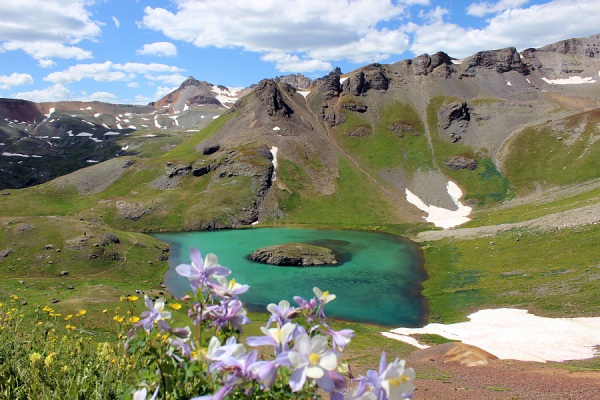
[132,211]
[20,110]
[426,64]
[178,169]
[456,163]
[270,96]
[298,81]
[454,119]
[503,60]
[371,77]
[294,254]
[330,86]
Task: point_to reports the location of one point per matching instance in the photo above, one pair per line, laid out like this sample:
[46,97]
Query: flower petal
[328,361]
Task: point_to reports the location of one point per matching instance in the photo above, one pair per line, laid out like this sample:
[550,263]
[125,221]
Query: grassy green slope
[555,155]
[483,185]
[554,273]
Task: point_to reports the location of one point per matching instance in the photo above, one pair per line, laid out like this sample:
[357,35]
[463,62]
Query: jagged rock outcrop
[268,93]
[330,86]
[457,162]
[298,81]
[294,254]
[454,119]
[503,60]
[178,169]
[371,77]
[440,64]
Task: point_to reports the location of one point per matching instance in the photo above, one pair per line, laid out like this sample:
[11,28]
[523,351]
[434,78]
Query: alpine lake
[378,278]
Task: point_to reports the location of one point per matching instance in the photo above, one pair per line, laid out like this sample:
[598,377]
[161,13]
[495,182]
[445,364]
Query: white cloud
[163,91]
[45,63]
[46,50]
[484,8]
[374,46]
[533,26]
[165,49]
[133,84]
[299,32]
[116,21]
[292,63]
[56,92]
[55,23]
[106,72]
[98,96]
[173,79]
[15,79]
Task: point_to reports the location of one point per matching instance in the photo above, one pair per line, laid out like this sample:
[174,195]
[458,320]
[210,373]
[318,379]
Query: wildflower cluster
[208,361]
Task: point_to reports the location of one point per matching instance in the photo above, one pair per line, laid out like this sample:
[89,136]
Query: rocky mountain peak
[190,81]
[502,60]
[271,98]
[426,64]
[298,81]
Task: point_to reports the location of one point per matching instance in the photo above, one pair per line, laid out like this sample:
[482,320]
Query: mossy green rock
[294,254]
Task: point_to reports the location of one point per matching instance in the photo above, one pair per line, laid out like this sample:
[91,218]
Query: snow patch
[132,127]
[50,112]
[186,107]
[442,217]
[276,128]
[227,95]
[125,147]
[7,154]
[119,126]
[156,124]
[97,115]
[110,133]
[274,152]
[215,117]
[304,93]
[91,161]
[508,83]
[149,135]
[174,118]
[573,80]
[515,334]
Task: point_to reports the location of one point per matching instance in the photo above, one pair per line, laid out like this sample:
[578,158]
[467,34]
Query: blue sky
[128,51]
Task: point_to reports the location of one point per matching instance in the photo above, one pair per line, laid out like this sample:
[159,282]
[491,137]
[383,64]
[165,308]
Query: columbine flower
[310,358]
[229,312]
[324,297]
[198,272]
[276,337]
[281,313]
[227,289]
[392,378]
[340,338]
[154,314]
[142,393]
[397,381]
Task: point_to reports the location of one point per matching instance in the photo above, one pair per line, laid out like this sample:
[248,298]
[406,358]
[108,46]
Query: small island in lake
[294,254]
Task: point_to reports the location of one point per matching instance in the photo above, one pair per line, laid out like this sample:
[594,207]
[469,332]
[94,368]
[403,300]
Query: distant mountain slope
[497,123]
[40,141]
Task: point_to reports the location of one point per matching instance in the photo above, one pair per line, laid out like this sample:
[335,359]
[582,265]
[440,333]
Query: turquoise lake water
[378,278]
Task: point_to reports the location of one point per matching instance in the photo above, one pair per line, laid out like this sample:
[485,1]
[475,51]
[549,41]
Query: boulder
[457,162]
[294,254]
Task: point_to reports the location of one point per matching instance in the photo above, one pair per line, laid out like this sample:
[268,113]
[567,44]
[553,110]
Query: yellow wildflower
[82,312]
[175,306]
[132,298]
[134,319]
[35,358]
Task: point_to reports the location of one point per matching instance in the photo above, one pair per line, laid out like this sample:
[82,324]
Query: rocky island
[294,254]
